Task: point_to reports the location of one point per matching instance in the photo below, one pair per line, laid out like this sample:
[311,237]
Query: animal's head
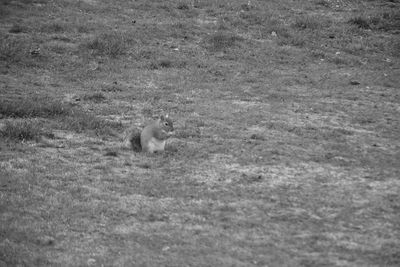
[166,124]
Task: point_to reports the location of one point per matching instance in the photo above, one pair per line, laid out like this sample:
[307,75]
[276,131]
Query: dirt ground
[287,133]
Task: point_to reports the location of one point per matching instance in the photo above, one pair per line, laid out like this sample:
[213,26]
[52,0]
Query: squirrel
[153,137]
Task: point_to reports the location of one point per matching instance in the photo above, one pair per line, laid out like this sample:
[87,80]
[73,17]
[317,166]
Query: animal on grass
[153,137]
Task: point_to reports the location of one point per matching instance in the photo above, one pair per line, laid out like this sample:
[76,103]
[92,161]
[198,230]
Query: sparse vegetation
[13,49]
[167,63]
[324,3]
[182,6]
[109,43]
[69,118]
[34,106]
[54,27]
[17,28]
[221,41]
[95,97]
[310,23]
[274,25]
[23,130]
[361,22]
[292,39]
[253,18]
[80,121]
[286,117]
[385,21]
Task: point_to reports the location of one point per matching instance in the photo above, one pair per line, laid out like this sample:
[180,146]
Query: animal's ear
[162,117]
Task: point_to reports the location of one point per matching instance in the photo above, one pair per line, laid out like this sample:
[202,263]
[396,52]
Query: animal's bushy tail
[132,139]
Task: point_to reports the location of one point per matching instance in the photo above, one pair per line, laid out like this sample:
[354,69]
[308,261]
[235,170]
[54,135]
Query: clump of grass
[222,41]
[318,54]
[33,107]
[191,129]
[323,3]
[142,54]
[61,26]
[275,25]
[24,130]
[17,28]
[395,49]
[95,97]
[80,121]
[84,28]
[111,154]
[340,61]
[386,21]
[360,21]
[61,37]
[109,43]
[70,118]
[257,136]
[54,27]
[310,22]
[58,48]
[13,49]
[182,6]
[180,30]
[253,17]
[292,39]
[164,63]
[306,23]
[167,63]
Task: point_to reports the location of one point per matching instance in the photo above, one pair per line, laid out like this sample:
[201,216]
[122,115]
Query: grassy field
[287,145]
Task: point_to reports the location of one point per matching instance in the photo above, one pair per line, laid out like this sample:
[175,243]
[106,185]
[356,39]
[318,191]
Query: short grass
[286,150]
[63,114]
[32,106]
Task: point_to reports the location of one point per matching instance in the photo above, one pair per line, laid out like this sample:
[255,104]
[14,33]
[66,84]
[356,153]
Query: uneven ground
[287,142]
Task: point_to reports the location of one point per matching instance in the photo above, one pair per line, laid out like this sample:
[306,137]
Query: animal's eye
[166,123]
